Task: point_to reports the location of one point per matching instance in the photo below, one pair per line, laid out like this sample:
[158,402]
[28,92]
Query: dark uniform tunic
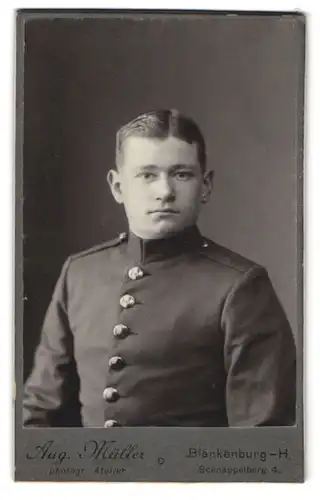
[176,332]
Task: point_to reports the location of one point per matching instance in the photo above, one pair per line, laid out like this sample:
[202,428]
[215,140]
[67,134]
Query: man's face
[161,184]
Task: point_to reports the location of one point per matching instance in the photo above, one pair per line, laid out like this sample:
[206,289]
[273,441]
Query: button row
[111,394]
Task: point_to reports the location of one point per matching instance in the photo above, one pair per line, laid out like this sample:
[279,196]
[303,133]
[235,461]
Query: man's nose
[165,189]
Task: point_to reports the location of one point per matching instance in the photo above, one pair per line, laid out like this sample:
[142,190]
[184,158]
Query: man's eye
[146,175]
[184,176]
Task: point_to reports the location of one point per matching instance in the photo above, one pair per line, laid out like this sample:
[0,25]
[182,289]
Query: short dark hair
[162,124]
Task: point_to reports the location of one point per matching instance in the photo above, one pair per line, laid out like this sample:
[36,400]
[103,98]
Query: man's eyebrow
[173,168]
[192,166]
[147,167]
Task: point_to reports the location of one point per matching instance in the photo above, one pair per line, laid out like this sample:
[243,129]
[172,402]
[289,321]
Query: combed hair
[162,124]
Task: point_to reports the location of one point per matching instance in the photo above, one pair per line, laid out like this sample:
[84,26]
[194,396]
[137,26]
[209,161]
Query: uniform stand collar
[145,251]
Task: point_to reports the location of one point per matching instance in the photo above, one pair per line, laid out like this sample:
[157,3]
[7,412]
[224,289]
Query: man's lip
[163,211]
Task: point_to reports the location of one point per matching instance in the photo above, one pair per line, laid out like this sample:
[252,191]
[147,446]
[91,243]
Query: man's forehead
[148,151]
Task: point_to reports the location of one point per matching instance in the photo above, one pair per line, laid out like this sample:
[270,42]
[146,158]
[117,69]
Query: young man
[161,326]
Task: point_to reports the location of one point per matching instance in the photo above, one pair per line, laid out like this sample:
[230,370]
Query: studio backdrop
[84,78]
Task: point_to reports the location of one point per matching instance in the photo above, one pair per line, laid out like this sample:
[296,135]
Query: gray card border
[163,454]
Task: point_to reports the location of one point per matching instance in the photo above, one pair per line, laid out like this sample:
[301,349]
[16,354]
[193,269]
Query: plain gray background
[238,77]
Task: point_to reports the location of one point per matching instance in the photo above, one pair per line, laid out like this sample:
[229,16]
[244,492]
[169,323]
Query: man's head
[161,175]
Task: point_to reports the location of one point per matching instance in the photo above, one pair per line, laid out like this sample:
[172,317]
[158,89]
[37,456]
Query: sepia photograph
[161,232]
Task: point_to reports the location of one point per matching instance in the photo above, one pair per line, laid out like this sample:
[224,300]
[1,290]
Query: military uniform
[176,332]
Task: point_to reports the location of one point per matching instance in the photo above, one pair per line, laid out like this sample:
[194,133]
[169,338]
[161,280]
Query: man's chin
[164,229]
[158,228]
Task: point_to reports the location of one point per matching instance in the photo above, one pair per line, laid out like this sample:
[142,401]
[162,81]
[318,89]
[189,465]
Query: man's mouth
[163,211]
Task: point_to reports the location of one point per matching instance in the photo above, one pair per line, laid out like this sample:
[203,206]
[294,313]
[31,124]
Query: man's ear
[207,186]
[114,181]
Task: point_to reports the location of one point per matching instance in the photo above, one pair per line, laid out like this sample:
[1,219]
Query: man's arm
[51,395]
[260,355]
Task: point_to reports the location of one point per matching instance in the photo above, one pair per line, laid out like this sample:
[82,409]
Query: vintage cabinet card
[159,322]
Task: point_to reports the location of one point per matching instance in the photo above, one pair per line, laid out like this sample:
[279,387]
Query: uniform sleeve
[51,395]
[260,355]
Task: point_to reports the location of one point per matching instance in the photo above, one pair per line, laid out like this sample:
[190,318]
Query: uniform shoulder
[227,258]
[122,237]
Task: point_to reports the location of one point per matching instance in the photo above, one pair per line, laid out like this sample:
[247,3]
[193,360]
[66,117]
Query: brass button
[120,331]
[110,394]
[122,236]
[127,301]
[111,423]
[135,273]
[117,363]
